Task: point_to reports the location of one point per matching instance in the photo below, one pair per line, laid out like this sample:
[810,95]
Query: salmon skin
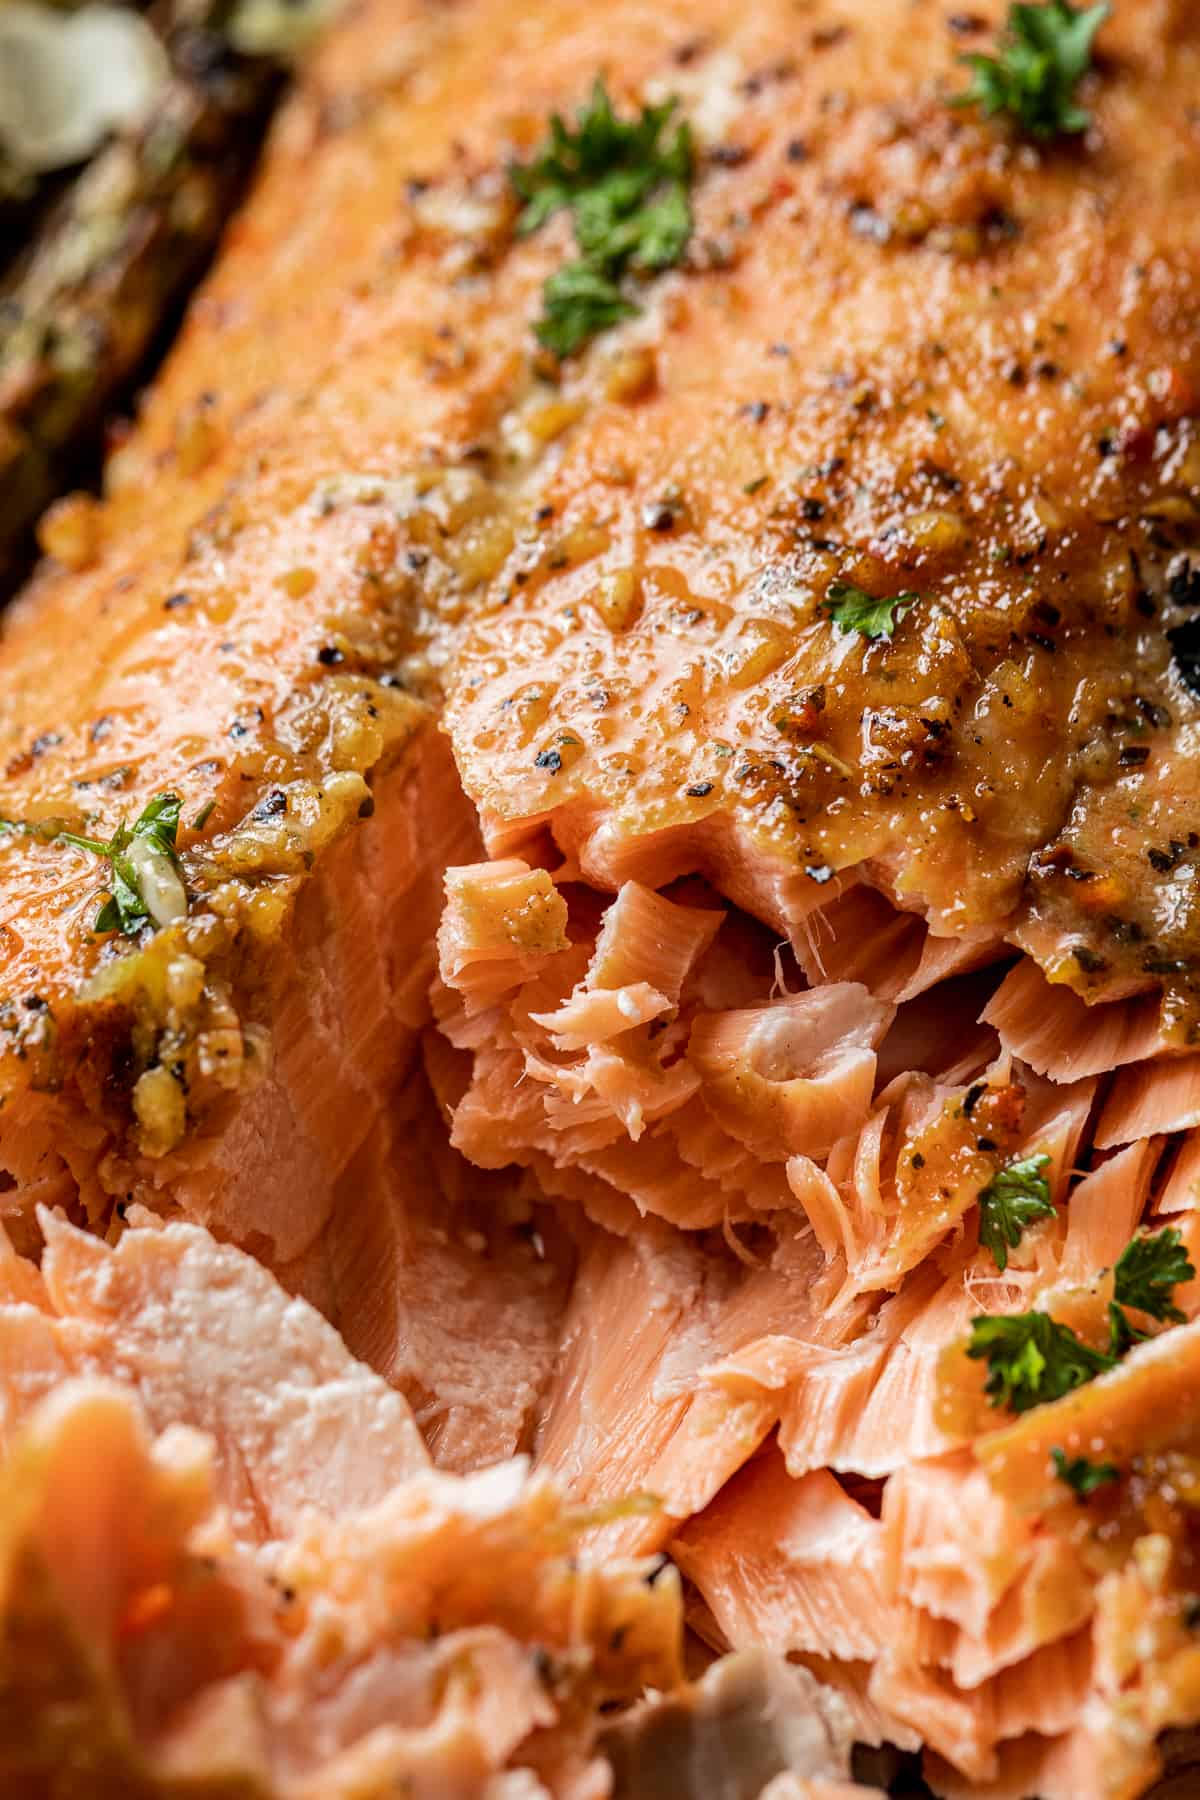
[604,846]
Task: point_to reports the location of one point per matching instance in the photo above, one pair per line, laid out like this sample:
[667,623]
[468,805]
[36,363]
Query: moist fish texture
[602,1006]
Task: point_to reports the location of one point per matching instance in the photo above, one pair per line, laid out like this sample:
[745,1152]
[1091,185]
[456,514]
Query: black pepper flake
[548,759]
[756,410]
[1165,860]
[917,1160]
[966,24]
[700,790]
[1089,960]
[101,729]
[973,1096]
[1183,582]
[270,806]
[819,872]
[173,602]
[812,509]
[543,513]
[797,150]
[330,656]
[986,1144]
[45,740]
[660,515]
[1133,755]
[729,156]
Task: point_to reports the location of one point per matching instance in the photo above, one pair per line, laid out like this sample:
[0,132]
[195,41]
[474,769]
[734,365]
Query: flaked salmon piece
[1180,1191]
[1104,1209]
[571,1067]
[951,1545]
[646,937]
[616,1420]
[1088,1760]
[448,1281]
[675,1365]
[502,919]
[795,1565]
[851,1399]
[430,1640]
[1045,1693]
[792,1076]
[979,1589]
[202,1334]
[1058,1034]
[1151,1097]
[860,936]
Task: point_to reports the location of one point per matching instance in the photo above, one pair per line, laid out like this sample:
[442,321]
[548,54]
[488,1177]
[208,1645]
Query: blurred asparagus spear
[115,251]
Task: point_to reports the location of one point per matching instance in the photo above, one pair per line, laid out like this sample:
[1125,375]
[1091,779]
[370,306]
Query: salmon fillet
[598,864]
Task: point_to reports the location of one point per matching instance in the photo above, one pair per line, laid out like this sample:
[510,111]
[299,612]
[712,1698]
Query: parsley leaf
[1147,1271]
[579,302]
[626,183]
[145,885]
[139,854]
[1081,1476]
[1043,54]
[853,610]
[1015,1196]
[1031,1358]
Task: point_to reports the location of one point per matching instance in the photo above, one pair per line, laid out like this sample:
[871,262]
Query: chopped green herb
[626,183]
[145,886]
[1147,1272]
[1015,1197]
[145,869]
[579,302]
[204,815]
[1031,1358]
[853,610]
[1044,53]
[1081,1476]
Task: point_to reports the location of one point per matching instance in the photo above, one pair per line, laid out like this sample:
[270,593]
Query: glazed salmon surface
[615,1206]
